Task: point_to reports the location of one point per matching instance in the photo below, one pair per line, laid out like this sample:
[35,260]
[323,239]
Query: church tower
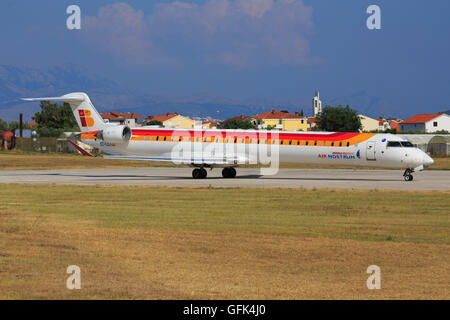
[317,104]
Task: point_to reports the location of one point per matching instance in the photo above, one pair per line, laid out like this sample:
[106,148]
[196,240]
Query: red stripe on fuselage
[337,136]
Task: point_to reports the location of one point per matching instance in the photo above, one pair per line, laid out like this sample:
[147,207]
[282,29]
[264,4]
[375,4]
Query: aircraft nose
[427,161]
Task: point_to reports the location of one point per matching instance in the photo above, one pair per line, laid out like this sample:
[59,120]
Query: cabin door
[370,155]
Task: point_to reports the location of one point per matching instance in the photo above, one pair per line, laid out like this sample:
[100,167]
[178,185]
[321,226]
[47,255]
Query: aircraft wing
[199,161]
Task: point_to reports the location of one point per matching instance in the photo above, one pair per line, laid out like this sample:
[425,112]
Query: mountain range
[107,95]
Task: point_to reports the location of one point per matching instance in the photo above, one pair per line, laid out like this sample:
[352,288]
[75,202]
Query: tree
[339,119]
[3,124]
[154,123]
[14,125]
[237,124]
[54,119]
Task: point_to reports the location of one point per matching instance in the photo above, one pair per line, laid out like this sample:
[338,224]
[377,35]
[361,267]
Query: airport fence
[44,144]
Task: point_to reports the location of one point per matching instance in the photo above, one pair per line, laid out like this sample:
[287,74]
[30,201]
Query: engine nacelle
[115,134]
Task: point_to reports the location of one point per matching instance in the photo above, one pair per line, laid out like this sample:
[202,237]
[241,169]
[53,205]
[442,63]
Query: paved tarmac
[285,178]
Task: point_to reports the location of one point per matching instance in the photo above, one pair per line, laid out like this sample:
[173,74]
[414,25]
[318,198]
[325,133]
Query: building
[388,124]
[317,105]
[281,120]
[173,120]
[209,125]
[122,118]
[312,122]
[428,122]
[368,124]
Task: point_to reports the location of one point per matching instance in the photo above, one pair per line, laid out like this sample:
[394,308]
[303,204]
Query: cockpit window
[394,144]
[407,144]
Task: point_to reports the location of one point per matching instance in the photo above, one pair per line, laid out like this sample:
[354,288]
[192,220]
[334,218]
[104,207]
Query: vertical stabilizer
[87,117]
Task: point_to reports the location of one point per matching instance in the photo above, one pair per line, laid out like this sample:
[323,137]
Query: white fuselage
[220,148]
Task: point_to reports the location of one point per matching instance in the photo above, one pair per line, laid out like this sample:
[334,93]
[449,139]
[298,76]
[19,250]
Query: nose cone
[427,161]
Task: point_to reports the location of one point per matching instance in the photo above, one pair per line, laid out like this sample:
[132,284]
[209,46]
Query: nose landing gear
[407,175]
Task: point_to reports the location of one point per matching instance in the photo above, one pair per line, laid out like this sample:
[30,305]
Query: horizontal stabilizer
[54,99]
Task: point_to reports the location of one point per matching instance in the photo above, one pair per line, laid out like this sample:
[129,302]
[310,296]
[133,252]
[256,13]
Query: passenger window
[306,142]
[281,142]
[243,140]
[290,142]
[340,143]
[157,138]
[348,143]
[332,143]
[235,140]
[250,141]
[179,139]
[323,143]
[258,141]
[298,142]
[315,142]
[165,138]
[265,141]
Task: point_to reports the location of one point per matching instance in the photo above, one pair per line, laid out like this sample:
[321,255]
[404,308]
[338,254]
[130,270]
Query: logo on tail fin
[85,118]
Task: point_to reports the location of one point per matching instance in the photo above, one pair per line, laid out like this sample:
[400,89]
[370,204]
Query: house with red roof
[427,122]
[281,120]
[388,124]
[126,118]
[173,120]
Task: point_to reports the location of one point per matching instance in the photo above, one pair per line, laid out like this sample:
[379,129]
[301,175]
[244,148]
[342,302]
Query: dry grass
[183,243]
[46,161]
[16,160]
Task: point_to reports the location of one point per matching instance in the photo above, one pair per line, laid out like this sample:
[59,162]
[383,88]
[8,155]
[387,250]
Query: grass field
[200,243]
[43,161]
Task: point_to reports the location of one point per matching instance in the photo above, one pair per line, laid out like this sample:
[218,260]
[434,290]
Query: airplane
[229,149]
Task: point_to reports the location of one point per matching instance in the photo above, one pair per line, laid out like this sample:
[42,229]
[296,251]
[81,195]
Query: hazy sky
[272,49]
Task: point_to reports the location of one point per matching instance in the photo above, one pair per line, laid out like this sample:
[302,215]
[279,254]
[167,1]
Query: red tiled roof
[275,114]
[210,122]
[162,117]
[422,118]
[127,115]
[108,116]
[311,119]
[116,115]
[241,117]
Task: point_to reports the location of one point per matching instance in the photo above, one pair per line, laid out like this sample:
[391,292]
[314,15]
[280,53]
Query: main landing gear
[408,174]
[199,173]
[229,172]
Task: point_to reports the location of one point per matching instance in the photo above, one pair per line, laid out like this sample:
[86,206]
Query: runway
[285,178]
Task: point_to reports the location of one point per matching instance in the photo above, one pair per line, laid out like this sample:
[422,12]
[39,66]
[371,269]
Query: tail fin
[87,117]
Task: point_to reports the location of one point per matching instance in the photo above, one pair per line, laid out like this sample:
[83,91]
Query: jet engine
[115,134]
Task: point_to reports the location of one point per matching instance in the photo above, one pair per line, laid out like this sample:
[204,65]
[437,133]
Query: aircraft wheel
[408,175]
[197,173]
[229,172]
